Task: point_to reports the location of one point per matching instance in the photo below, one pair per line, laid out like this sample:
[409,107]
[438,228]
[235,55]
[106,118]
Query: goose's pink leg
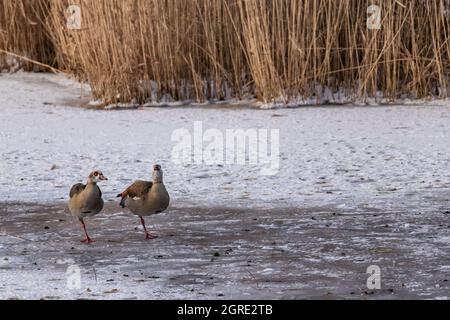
[148,236]
[87,240]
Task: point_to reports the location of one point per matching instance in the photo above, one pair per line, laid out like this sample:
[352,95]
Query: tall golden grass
[23,33]
[215,49]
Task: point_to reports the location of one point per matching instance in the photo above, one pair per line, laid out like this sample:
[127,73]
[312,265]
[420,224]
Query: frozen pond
[225,253]
[346,156]
[357,186]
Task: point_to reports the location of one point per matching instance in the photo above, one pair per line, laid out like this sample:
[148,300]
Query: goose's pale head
[157,174]
[97,176]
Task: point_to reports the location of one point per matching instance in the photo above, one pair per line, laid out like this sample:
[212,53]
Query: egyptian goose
[86,200]
[145,198]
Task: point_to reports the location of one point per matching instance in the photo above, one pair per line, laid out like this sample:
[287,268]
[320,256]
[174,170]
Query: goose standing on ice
[145,198]
[86,200]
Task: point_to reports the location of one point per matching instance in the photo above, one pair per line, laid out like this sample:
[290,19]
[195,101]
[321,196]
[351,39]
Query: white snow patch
[342,155]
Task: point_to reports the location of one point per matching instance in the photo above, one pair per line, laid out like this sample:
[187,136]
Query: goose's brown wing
[138,189]
[77,189]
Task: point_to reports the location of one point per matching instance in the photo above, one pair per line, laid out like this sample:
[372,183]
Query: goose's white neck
[91,182]
[157,176]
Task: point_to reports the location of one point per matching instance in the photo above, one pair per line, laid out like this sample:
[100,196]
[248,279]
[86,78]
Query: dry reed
[142,50]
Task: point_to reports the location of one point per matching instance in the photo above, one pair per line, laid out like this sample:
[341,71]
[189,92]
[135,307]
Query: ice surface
[347,156]
[357,186]
[223,253]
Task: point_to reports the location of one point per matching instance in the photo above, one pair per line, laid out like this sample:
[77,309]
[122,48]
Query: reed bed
[275,50]
[22,33]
